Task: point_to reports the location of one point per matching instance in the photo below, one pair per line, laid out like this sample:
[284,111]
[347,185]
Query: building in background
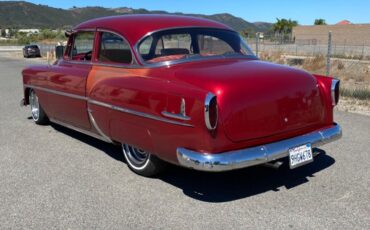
[29,31]
[343,33]
[7,33]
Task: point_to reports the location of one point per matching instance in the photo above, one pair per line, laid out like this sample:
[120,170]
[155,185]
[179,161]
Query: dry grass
[352,73]
[314,64]
[357,93]
[352,105]
[276,57]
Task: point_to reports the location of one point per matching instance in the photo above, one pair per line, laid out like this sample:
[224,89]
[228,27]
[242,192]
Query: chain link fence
[309,47]
[345,60]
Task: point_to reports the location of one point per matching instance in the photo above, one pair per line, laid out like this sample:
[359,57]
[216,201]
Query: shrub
[358,93]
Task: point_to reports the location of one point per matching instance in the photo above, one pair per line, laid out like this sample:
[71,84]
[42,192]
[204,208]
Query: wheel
[142,162]
[38,114]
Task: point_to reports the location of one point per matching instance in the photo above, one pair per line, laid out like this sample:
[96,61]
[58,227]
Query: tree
[3,33]
[320,21]
[247,33]
[284,26]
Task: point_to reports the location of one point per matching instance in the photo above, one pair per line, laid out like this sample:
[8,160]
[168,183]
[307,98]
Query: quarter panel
[146,91]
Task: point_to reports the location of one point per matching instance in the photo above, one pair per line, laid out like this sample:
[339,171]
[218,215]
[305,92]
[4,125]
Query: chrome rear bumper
[255,155]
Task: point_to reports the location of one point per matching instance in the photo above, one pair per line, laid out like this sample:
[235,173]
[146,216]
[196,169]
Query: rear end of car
[254,112]
[265,124]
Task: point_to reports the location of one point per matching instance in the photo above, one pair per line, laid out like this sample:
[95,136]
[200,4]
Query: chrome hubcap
[35,106]
[136,156]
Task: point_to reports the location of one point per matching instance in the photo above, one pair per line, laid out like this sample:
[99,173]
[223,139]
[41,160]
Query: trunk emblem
[286,119]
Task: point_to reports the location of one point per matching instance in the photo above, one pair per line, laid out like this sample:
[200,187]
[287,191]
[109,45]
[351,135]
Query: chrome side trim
[116,65]
[121,109]
[176,116]
[75,96]
[84,30]
[80,62]
[207,102]
[93,122]
[334,85]
[137,113]
[183,107]
[78,129]
[255,155]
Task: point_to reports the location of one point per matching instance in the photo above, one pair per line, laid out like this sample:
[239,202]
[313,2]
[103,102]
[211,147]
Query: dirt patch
[354,106]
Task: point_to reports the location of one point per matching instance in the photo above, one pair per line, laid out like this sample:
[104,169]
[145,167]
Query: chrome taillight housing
[210,111]
[335,91]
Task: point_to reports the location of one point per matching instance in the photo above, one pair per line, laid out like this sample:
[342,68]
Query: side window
[173,44]
[209,45]
[114,48]
[145,46]
[82,46]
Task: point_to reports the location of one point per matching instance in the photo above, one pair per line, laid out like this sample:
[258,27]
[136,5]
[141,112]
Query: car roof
[135,26]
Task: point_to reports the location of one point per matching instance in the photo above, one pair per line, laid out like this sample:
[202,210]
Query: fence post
[344,48]
[257,40]
[363,51]
[328,55]
[296,49]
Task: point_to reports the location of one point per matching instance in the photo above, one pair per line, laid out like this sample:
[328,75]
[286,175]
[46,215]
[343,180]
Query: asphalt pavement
[55,178]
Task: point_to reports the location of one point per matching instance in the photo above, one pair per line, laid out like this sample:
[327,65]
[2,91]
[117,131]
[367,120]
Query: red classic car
[182,90]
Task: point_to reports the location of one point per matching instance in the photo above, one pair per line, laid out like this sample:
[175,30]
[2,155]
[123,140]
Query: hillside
[20,14]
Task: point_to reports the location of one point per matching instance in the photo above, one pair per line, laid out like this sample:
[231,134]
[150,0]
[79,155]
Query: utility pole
[257,40]
[328,56]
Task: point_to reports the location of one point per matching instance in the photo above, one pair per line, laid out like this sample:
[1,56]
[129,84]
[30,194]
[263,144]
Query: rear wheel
[37,112]
[142,162]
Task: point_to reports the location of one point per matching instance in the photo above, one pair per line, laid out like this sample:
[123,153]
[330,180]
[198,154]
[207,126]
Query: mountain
[21,14]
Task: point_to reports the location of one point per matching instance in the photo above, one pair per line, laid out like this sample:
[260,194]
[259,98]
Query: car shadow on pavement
[225,186]
[111,150]
[238,184]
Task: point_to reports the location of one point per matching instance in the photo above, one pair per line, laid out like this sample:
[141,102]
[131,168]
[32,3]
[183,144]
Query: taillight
[335,91]
[211,111]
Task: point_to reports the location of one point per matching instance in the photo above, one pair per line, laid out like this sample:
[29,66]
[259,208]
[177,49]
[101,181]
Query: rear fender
[325,84]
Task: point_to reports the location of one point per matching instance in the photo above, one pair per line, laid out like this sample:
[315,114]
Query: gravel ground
[55,178]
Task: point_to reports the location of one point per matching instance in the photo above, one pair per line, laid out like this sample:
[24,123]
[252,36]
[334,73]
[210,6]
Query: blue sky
[356,11]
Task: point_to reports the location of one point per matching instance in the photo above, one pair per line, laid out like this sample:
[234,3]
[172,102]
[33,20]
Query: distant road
[10,48]
[55,178]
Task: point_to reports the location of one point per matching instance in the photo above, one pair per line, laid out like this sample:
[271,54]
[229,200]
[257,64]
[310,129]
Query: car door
[68,79]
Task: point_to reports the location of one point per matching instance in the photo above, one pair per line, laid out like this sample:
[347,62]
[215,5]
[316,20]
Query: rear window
[192,44]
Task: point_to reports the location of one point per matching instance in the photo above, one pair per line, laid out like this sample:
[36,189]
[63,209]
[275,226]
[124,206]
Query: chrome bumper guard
[255,155]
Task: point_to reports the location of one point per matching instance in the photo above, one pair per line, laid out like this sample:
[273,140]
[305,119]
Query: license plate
[300,155]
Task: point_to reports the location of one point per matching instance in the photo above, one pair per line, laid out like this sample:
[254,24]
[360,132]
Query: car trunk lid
[258,99]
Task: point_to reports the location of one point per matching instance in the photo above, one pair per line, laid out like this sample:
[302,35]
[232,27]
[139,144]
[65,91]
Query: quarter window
[173,44]
[114,48]
[210,45]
